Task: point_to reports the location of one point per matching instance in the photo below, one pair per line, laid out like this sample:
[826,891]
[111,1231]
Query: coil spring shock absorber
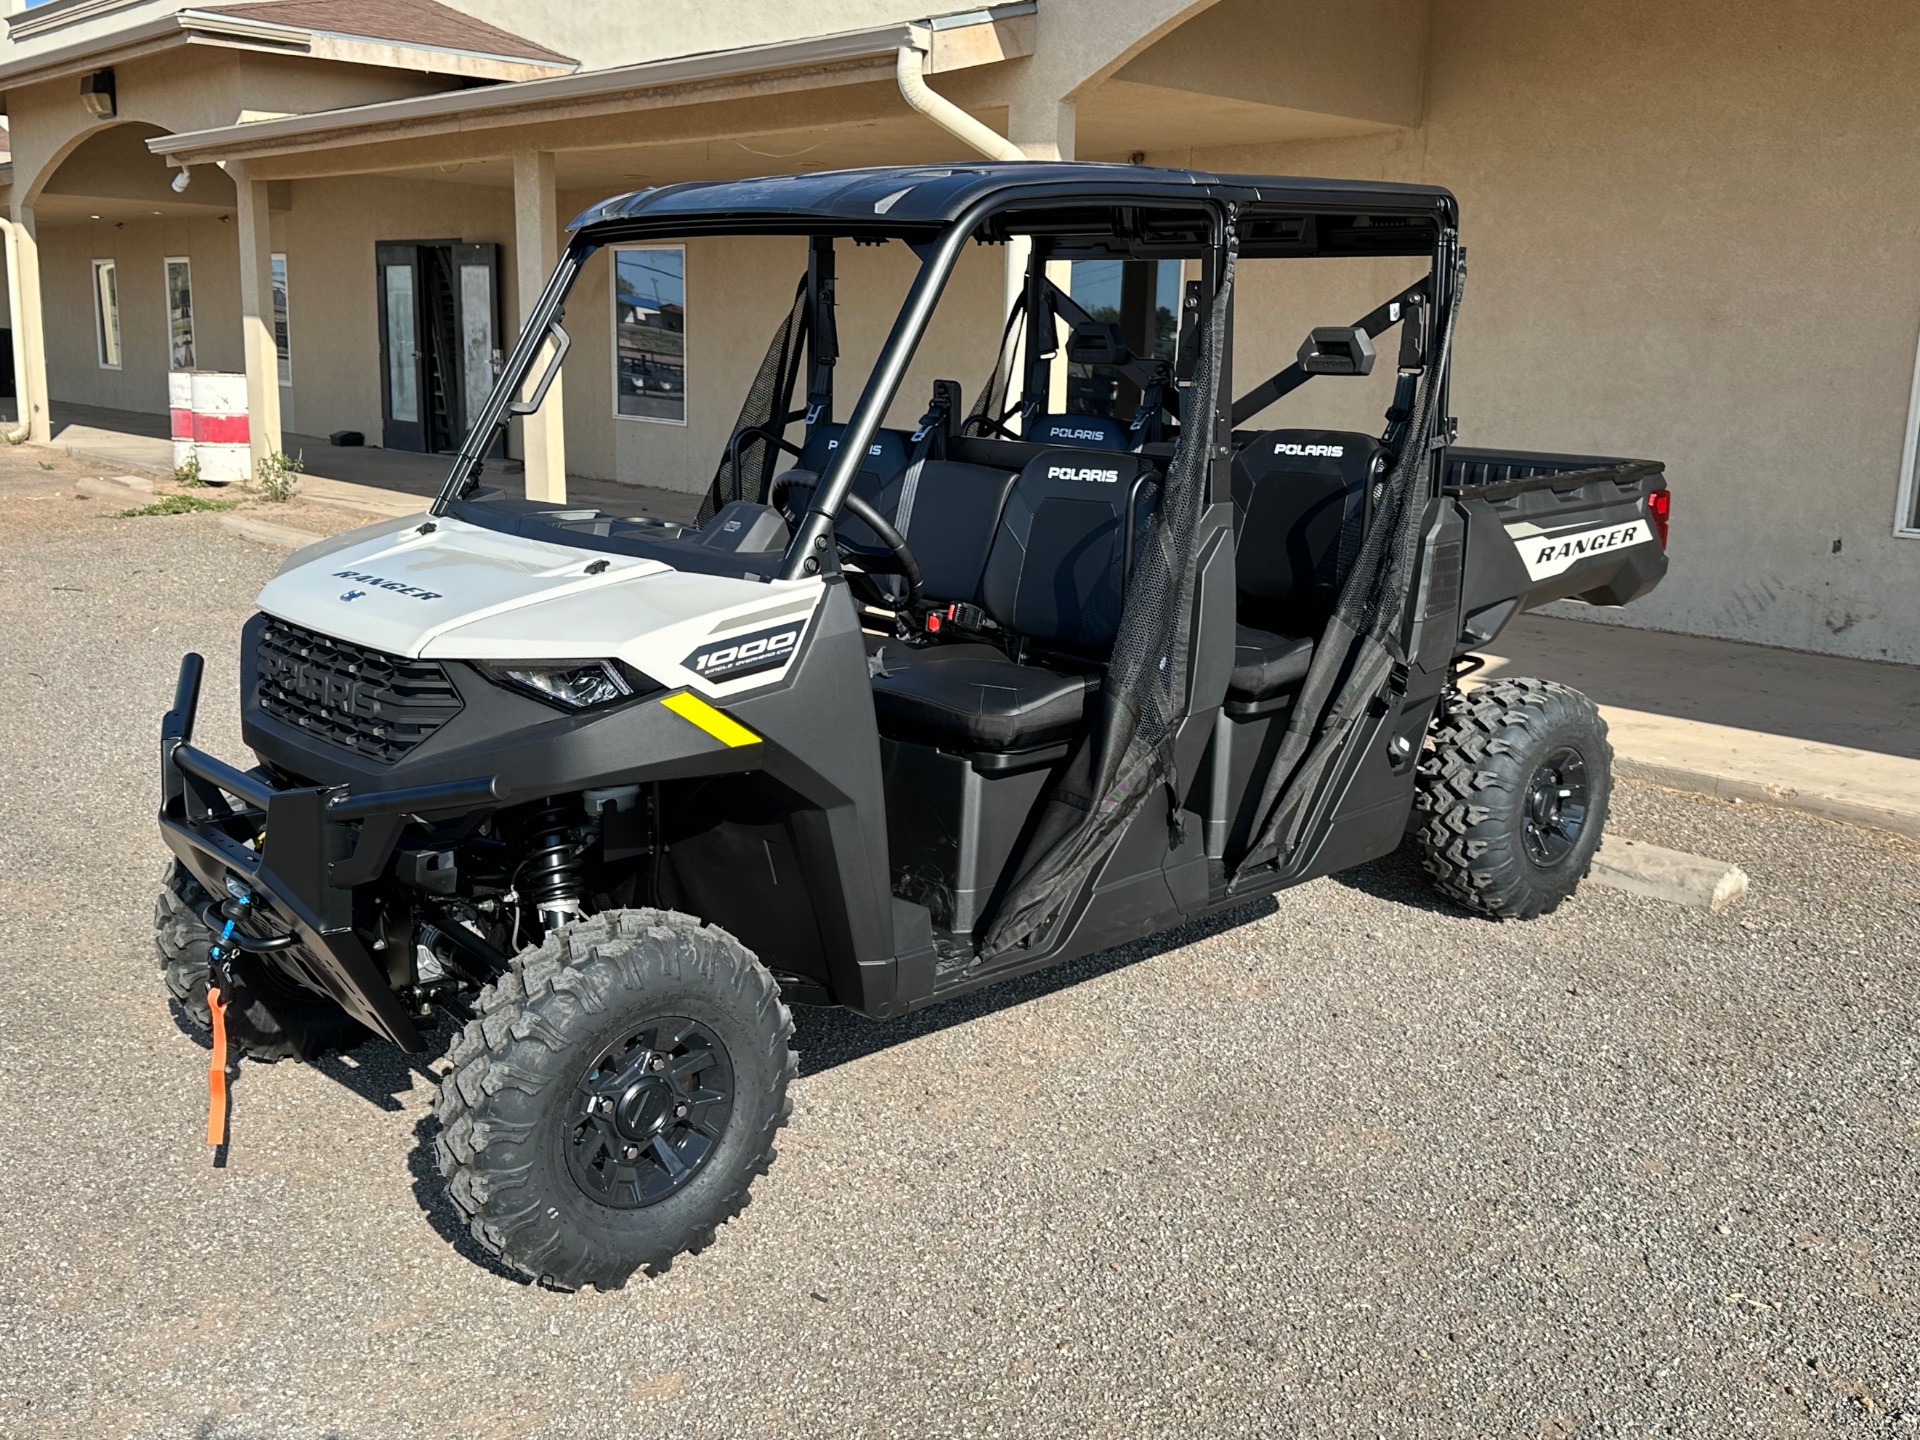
[554,877]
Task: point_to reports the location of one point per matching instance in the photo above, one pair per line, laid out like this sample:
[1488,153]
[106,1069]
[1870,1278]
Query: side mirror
[1337,350]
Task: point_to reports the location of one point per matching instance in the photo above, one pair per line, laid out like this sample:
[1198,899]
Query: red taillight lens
[1659,506]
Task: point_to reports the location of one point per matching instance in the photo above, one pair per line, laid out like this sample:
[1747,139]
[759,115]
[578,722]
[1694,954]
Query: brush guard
[298,853]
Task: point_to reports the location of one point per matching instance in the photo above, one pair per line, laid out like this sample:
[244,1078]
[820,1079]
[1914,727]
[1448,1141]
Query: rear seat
[1302,502]
[1052,575]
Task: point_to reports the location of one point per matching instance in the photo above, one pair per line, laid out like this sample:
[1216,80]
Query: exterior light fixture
[97,94]
[182,180]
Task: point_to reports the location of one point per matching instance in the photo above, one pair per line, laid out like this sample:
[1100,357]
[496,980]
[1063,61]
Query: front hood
[460,592]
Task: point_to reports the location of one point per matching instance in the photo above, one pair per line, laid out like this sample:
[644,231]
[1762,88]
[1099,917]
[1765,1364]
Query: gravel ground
[1345,1163]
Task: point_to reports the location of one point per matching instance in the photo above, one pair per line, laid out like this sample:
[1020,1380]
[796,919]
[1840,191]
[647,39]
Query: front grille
[376,704]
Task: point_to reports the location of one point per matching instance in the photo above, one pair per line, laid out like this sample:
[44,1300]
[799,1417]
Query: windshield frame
[939,247]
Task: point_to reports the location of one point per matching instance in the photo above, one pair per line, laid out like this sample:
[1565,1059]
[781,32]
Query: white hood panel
[462,592]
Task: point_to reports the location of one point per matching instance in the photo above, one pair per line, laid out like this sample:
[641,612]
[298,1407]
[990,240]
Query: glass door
[402,357]
[476,271]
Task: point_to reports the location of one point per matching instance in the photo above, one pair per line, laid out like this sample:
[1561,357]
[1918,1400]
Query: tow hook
[220,984]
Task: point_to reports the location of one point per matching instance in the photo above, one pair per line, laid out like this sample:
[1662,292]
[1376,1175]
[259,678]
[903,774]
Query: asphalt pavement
[1344,1163]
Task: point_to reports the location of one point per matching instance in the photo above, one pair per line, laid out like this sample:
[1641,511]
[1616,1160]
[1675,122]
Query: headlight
[570,684]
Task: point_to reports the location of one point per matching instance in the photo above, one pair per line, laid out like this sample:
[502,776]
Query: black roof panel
[907,197]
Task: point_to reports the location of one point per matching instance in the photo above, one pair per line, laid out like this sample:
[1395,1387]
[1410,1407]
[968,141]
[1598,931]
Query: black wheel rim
[1557,801]
[649,1112]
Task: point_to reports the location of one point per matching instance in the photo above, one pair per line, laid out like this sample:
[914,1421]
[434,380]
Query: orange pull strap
[217,1070]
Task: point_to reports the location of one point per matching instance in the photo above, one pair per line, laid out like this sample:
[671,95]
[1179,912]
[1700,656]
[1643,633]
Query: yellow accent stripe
[717,723]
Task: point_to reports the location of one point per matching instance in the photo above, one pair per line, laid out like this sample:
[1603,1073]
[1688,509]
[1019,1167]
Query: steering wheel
[900,558]
[905,563]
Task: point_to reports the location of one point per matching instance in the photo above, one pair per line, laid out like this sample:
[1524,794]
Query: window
[1142,297]
[403,368]
[106,313]
[279,265]
[179,313]
[650,333]
[1906,520]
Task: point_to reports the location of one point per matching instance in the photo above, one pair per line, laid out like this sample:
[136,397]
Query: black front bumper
[300,853]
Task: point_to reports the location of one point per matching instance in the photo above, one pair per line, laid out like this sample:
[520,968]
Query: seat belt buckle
[958,616]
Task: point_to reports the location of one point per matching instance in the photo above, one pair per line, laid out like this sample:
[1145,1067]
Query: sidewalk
[357,477]
[1834,737]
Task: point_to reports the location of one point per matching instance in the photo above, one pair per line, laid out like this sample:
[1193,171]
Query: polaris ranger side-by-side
[911,709]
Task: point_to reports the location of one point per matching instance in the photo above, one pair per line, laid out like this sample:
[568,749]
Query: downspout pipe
[910,69]
[16,434]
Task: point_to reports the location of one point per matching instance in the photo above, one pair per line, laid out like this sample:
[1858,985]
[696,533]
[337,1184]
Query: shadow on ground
[826,1037]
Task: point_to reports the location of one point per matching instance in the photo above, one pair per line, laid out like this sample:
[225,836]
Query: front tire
[614,1097]
[1512,796]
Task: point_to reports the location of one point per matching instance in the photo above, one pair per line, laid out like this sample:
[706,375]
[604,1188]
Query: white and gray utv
[913,708]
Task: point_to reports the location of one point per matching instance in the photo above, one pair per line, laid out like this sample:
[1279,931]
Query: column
[262,356]
[29,326]
[536,247]
[1045,130]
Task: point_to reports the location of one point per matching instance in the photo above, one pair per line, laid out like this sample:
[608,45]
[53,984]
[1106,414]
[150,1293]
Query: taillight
[1659,506]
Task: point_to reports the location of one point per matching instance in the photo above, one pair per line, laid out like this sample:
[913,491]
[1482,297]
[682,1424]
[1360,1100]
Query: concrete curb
[1671,875]
[287,537]
[1727,787]
[359,499]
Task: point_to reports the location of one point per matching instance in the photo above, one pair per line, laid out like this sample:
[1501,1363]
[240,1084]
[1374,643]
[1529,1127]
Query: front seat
[1055,579]
[1303,498]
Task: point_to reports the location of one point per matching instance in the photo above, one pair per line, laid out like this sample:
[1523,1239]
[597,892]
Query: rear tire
[614,1097]
[269,1016]
[1512,796]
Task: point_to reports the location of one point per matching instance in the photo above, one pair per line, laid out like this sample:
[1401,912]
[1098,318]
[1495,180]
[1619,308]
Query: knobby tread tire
[1468,805]
[269,1017]
[512,1067]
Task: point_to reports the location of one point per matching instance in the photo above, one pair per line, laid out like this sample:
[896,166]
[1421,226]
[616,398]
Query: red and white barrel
[180,414]
[220,437]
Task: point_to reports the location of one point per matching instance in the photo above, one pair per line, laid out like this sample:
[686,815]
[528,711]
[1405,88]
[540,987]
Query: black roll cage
[1261,227]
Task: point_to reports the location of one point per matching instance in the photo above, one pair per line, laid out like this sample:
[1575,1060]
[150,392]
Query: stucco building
[1690,231]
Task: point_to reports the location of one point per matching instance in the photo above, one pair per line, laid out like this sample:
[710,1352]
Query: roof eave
[510,104]
[189,27]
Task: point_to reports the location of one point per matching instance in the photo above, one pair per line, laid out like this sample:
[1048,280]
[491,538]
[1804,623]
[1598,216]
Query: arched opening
[145,276]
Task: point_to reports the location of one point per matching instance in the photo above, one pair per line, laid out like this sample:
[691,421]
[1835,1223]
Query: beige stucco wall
[612,32]
[328,237]
[1692,237]
[139,249]
[191,88]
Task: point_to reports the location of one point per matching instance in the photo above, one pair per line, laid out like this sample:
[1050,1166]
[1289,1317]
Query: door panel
[401,354]
[477,288]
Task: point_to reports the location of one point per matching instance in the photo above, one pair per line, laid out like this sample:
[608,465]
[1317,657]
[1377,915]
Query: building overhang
[951,42]
[248,33]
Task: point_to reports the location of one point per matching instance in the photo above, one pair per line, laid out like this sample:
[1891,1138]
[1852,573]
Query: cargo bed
[1555,527]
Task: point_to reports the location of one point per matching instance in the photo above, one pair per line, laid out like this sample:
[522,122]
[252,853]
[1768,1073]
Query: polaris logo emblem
[1549,555]
[747,654]
[1086,473]
[873,449]
[1062,432]
[1328,452]
[361,578]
